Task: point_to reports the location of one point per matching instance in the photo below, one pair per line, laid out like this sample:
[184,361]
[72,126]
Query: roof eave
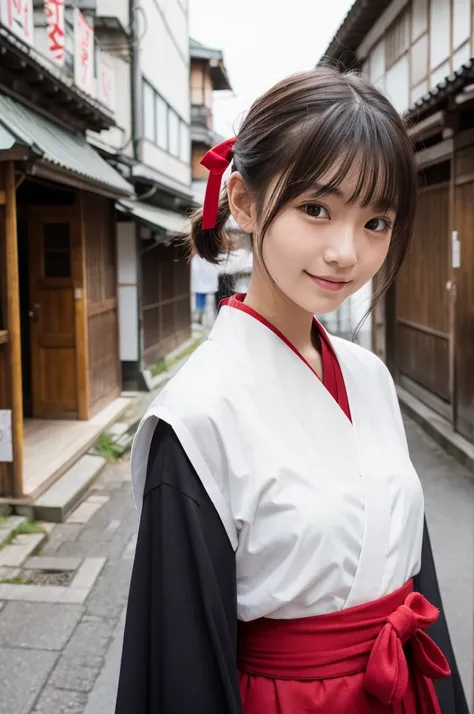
[91,111]
[358,21]
[48,170]
[220,78]
[449,87]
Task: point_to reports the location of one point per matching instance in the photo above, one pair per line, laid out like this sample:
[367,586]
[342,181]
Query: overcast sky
[262,44]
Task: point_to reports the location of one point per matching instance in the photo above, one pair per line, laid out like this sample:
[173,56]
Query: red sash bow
[386,675]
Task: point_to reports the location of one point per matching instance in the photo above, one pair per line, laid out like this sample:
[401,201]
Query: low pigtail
[210,243]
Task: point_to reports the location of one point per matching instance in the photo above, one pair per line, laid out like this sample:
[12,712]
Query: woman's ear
[240,203]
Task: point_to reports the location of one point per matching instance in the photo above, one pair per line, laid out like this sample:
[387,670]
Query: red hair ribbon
[216,160]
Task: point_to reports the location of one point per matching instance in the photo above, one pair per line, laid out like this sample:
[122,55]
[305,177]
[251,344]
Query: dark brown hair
[321,122]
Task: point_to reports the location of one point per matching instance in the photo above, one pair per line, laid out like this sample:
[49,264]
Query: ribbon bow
[216,160]
[386,676]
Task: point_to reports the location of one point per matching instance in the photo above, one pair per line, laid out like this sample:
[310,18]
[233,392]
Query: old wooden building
[419,53]
[208,75]
[59,359]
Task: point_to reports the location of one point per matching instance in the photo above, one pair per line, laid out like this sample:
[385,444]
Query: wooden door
[423,334]
[52,311]
[464,284]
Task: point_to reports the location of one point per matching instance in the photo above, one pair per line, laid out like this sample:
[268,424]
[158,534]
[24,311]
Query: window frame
[146,84]
[180,123]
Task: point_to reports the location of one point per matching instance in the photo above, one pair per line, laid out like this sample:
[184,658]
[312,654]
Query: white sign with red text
[54,11]
[106,79]
[83,54]
[17,16]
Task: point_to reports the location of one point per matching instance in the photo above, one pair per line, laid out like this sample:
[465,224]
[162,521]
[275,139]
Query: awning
[7,140]
[157,219]
[56,147]
[149,175]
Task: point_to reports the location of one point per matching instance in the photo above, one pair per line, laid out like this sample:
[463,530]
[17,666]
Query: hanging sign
[83,53]
[17,16]
[106,82]
[54,11]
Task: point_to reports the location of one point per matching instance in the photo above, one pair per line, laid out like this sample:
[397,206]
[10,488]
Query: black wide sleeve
[179,652]
[450,690]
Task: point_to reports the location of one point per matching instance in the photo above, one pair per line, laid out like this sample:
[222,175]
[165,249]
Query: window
[397,39]
[419,18]
[161,123]
[461,23]
[185,144]
[440,38]
[163,126]
[57,250]
[148,111]
[173,129]
[419,60]
[377,61]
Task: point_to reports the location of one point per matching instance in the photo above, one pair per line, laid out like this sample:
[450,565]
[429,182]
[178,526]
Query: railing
[201,116]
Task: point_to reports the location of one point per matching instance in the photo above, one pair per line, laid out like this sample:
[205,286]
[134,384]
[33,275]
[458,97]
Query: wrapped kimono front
[281,539]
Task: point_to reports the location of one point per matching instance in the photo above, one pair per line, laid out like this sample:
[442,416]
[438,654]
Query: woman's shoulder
[360,357]
[203,382]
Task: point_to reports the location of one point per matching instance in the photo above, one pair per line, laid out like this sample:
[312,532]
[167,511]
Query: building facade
[59,358]
[419,52]
[149,45]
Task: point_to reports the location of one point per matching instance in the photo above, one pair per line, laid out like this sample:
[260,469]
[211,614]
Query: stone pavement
[64,658]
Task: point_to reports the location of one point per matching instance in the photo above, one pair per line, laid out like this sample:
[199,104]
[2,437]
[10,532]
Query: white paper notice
[6,448]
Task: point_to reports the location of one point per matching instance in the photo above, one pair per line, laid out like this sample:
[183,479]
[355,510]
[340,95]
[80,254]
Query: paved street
[64,658]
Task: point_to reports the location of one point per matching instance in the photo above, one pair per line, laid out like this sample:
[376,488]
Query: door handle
[33,314]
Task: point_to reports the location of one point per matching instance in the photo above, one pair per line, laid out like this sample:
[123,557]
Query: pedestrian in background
[282,563]
[204,286]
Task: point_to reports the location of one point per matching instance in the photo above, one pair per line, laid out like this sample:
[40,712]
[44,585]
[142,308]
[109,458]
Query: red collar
[333,378]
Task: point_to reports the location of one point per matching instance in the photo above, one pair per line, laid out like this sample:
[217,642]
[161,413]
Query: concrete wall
[164,64]
[114,8]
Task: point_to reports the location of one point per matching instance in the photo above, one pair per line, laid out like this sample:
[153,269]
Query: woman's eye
[379,225]
[315,210]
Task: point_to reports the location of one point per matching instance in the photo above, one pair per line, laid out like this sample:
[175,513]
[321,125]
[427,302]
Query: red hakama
[370,659]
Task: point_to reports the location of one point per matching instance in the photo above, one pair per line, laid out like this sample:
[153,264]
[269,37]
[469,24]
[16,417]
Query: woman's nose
[342,249]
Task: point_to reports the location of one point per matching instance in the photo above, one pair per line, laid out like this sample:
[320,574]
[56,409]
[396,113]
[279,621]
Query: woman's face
[319,251]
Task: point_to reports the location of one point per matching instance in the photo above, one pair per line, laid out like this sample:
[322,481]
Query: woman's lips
[328,283]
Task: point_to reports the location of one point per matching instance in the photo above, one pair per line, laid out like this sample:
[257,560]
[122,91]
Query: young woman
[280,565]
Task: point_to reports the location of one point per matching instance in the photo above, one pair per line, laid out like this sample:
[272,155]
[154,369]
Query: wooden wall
[464,275]
[422,301]
[166,300]
[199,172]
[102,318]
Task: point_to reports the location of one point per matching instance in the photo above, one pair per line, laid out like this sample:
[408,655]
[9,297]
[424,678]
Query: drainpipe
[135,89]
[136,109]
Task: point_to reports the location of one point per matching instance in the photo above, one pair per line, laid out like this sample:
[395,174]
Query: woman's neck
[291,320]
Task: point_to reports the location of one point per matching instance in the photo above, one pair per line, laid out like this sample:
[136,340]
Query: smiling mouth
[330,284]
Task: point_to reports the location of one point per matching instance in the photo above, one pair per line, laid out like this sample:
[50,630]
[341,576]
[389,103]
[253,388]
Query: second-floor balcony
[201,116]
[201,126]
[112,15]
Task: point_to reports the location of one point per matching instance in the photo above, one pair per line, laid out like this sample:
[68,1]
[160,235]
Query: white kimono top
[323,514]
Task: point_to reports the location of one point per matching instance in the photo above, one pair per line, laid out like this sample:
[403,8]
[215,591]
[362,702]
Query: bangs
[356,141]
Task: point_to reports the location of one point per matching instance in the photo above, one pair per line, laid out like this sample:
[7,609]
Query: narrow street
[60,658]
[64,658]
